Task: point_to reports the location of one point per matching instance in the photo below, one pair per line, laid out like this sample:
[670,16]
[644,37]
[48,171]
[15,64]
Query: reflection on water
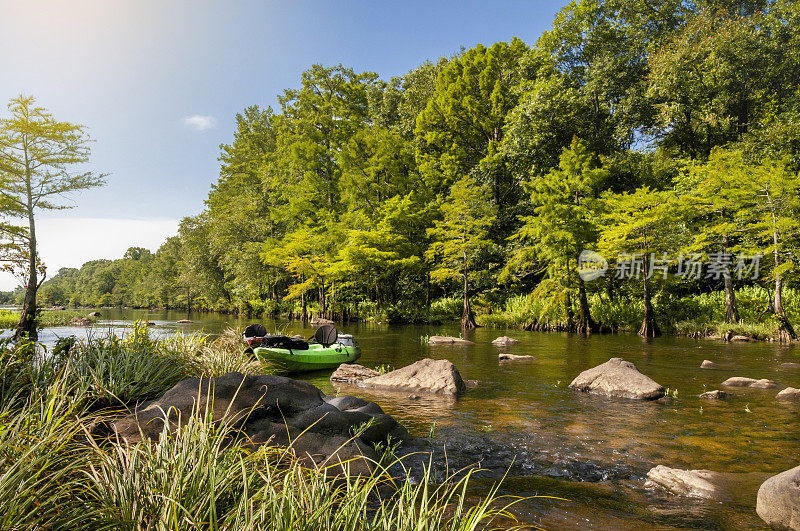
[588,449]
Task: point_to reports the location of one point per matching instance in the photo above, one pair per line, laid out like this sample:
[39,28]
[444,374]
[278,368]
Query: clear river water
[593,452]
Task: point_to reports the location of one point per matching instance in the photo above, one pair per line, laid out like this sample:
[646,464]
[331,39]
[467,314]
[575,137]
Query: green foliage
[628,127]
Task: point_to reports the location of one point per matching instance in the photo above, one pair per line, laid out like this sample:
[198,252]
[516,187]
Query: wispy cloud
[199,122]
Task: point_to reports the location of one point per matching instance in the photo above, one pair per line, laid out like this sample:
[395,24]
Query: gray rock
[504,356]
[618,378]
[273,410]
[693,483]
[708,364]
[789,366]
[94,314]
[352,373]
[80,321]
[714,395]
[778,502]
[789,394]
[448,340]
[427,375]
[739,381]
[184,321]
[319,321]
[739,338]
[505,340]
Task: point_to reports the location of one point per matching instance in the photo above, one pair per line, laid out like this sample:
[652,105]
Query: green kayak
[317,357]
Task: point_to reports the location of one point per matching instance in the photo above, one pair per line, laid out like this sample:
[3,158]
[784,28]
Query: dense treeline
[649,132]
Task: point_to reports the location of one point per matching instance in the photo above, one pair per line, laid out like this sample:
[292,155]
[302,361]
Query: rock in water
[789,394]
[80,321]
[94,314]
[739,381]
[618,378]
[693,483]
[273,410]
[505,340]
[789,366]
[319,321]
[352,373]
[183,321]
[778,502]
[427,376]
[707,364]
[447,340]
[716,394]
[503,356]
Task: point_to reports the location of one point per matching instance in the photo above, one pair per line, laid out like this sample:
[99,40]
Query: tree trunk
[777,303]
[304,310]
[586,324]
[467,319]
[649,327]
[731,309]
[27,320]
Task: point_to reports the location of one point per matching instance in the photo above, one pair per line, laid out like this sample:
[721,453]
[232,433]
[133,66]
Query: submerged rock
[273,410]
[505,340]
[693,483]
[352,373]
[716,394]
[708,364]
[618,378]
[790,393]
[739,381]
[789,366]
[778,502]
[448,340]
[503,356]
[319,321]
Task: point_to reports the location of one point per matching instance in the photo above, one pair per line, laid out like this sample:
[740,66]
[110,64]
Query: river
[592,451]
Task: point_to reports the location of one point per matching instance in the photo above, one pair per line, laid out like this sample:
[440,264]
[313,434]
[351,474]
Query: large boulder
[273,410]
[448,340]
[740,381]
[778,501]
[708,364]
[618,378]
[80,321]
[505,341]
[789,394]
[692,483]
[424,376]
[352,373]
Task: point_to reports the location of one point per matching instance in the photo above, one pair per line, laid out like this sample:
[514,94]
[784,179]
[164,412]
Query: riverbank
[698,316]
[59,468]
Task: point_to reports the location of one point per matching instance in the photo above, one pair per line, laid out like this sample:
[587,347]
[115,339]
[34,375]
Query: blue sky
[158,83]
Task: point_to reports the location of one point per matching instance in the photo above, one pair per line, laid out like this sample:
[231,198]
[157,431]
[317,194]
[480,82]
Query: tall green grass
[56,472]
